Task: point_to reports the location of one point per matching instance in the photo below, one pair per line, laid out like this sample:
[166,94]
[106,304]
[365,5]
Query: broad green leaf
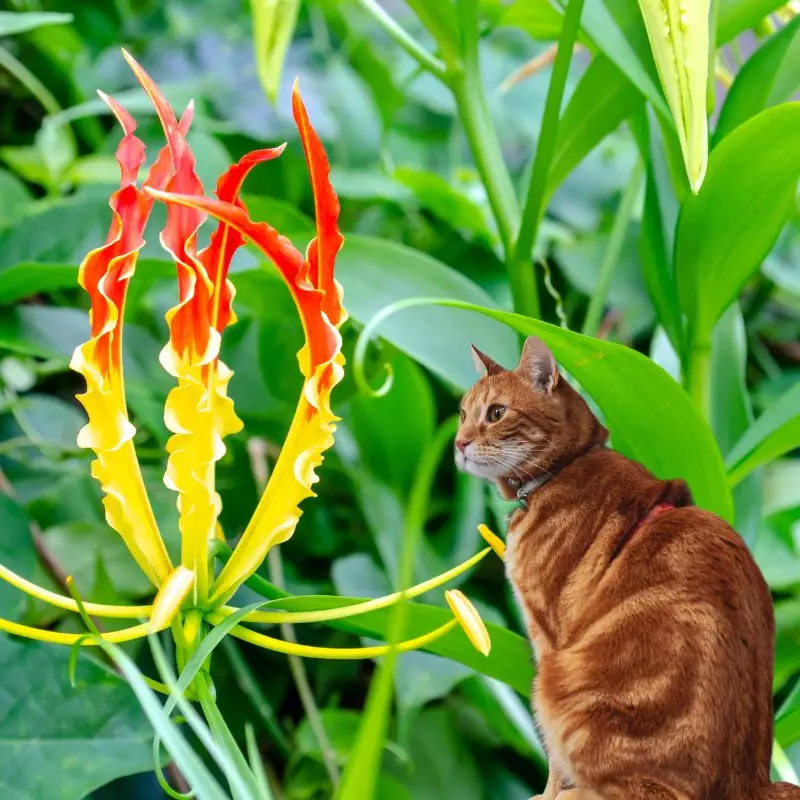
[45,331]
[17,553]
[726,230]
[273,26]
[770,76]
[341,726]
[775,432]
[61,743]
[29,278]
[375,273]
[737,16]
[678,33]
[538,18]
[650,416]
[391,452]
[16,198]
[602,100]
[12,22]
[444,200]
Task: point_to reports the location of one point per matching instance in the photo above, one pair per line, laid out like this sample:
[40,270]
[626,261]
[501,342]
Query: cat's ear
[483,363]
[538,365]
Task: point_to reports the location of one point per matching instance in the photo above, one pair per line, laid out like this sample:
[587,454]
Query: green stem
[259,466]
[698,377]
[405,40]
[301,681]
[611,256]
[29,81]
[520,265]
[249,685]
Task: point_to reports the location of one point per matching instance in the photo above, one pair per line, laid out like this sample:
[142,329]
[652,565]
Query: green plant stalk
[16,68]
[620,227]
[256,449]
[404,39]
[360,779]
[473,110]
[301,681]
[698,376]
[520,263]
[249,685]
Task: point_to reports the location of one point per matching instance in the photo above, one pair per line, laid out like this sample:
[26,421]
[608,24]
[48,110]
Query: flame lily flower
[198,411]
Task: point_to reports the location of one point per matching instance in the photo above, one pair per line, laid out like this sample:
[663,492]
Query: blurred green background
[418,223]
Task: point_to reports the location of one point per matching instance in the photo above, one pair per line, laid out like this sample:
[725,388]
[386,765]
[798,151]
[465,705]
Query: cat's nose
[461,444]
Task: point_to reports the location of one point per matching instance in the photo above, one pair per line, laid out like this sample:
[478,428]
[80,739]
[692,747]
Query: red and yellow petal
[198,410]
[319,302]
[105,274]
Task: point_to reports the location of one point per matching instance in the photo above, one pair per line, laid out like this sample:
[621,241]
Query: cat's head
[522,423]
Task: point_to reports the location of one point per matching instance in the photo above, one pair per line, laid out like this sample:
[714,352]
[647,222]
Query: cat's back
[656,637]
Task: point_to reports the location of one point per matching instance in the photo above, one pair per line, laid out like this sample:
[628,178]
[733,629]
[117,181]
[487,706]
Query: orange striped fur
[653,635]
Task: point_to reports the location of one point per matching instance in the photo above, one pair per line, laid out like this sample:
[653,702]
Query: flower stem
[249,685]
[620,227]
[300,677]
[16,68]
[257,451]
[698,376]
[473,111]
[404,39]
[520,264]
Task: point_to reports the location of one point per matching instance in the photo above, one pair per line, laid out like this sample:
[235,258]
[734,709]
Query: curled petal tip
[493,540]
[470,620]
[170,598]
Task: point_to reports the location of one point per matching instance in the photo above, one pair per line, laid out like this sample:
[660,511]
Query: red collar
[655,511]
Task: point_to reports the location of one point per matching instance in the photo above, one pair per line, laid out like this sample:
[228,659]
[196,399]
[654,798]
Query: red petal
[323,248]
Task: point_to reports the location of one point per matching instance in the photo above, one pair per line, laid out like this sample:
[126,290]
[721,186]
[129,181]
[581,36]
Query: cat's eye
[463,415]
[495,413]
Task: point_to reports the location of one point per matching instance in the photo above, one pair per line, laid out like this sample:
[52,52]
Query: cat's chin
[472,467]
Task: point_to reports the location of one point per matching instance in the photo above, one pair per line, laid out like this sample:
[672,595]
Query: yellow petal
[170,598]
[278,511]
[493,540]
[470,620]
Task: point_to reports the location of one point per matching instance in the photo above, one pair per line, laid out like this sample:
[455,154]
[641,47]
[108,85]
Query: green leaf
[46,331]
[281,215]
[737,16]
[770,76]
[725,231]
[375,273]
[341,727]
[12,22]
[17,553]
[29,278]
[616,28]
[537,18]
[61,743]
[17,198]
[391,452]
[602,100]
[444,200]
[775,432]
[274,22]
[650,416]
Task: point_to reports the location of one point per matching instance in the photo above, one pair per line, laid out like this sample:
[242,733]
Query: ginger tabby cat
[651,624]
